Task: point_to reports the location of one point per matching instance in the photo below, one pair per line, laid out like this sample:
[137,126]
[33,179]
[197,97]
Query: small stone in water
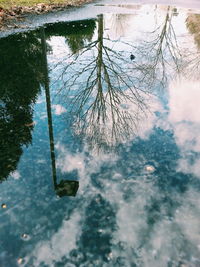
[4,206]
[154,252]
[19,260]
[150,168]
[24,236]
[109,256]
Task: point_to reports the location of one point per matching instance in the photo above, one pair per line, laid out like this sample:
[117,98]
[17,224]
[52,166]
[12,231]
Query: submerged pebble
[4,206]
[149,168]
[25,236]
[20,260]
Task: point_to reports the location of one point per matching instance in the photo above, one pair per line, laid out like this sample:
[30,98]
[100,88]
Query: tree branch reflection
[101,104]
[161,53]
[106,92]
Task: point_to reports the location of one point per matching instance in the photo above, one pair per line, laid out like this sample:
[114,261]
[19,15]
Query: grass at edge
[29,3]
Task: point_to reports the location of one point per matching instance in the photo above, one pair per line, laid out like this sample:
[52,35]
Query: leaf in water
[30,124]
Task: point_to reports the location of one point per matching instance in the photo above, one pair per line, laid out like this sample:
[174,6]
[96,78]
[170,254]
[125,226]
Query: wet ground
[99,137]
[91,10]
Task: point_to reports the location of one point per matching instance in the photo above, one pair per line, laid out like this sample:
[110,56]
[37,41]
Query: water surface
[99,138]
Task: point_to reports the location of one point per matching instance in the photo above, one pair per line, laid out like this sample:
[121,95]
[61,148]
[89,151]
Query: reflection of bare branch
[119,25]
[162,53]
[106,91]
[103,86]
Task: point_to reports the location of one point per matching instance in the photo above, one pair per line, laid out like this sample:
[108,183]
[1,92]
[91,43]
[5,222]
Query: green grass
[10,3]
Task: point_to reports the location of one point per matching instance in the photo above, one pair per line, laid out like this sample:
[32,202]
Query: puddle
[99,137]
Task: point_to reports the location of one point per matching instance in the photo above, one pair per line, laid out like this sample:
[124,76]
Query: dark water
[99,142]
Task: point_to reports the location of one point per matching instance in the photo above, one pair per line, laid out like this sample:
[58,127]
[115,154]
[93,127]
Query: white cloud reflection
[145,245]
[15,175]
[68,162]
[184,101]
[59,109]
[184,110]
[59,245]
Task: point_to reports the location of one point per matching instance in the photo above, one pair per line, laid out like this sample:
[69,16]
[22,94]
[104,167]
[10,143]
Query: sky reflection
[127,131]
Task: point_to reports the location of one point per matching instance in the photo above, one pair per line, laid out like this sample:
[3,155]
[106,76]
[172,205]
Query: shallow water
[100,145]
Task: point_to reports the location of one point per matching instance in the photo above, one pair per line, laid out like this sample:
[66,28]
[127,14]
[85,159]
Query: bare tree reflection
[108,95]
[161,54]
[120,25]
[108,91]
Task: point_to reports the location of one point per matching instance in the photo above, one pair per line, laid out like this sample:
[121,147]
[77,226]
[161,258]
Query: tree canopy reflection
[193,61]
[21,76]
[76,33]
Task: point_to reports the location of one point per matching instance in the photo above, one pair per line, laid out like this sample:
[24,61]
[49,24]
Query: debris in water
[30,124]
[25,236]
[4,206]
[20,260]
[132,57]
[149,168]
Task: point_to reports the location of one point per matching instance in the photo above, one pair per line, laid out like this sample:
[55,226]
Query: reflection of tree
[108,91]
[193,61]
[82,33]
[119,25]
[21,75]
[193,24]
[105,90]
[94,247]
[97,233]
[161,53]
[77,33]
